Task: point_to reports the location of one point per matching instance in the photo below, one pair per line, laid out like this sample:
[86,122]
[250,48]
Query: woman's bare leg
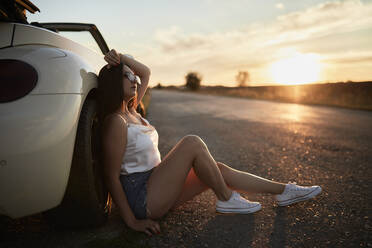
[235,179]
[191,188]
[243,181]
[189,169]
[167,181]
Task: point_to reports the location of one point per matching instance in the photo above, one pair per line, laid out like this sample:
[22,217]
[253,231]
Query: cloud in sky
[324,19]
[219,55]
[279,6]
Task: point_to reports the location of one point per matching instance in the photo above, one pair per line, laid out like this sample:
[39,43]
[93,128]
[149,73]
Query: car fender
[59,71]
[39,130]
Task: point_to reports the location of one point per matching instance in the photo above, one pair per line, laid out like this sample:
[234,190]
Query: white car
[49,150]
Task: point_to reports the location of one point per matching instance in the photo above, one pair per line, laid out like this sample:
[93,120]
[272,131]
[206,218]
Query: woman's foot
[294,193]
[237,204]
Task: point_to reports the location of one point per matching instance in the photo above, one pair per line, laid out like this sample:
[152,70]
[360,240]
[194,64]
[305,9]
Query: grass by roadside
[354,95]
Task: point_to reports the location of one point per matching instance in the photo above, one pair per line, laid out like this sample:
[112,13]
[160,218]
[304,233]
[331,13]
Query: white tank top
[142,153]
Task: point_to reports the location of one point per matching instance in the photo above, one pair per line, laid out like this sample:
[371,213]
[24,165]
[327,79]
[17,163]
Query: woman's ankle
[225,196]
[280,189]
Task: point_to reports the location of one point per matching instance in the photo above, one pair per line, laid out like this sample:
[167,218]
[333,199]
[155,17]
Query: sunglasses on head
[131,77]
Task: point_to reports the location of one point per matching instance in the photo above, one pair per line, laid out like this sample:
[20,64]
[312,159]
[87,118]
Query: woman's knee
[222,168]
[193,141]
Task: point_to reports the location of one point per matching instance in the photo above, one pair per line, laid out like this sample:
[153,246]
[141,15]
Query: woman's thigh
[167,181]
[192,187]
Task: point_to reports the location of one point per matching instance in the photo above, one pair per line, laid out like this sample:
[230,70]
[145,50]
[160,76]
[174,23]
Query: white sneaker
[237,204]
[293,193]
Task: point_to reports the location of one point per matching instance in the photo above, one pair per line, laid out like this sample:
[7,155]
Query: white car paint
[6,32]
[37,132]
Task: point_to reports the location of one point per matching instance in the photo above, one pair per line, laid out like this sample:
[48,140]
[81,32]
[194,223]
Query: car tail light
[17,79]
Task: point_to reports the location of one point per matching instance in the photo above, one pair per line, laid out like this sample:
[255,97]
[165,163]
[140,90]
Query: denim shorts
[134,186]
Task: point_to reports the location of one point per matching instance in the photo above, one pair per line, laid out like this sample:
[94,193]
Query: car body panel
[37,141]
[26,35]
[70,73]
[38,131]
[6,31]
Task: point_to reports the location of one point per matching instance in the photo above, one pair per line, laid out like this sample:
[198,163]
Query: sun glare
[299,69]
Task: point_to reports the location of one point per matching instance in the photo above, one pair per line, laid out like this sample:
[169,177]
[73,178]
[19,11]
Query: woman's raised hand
[112,58]
[147,226]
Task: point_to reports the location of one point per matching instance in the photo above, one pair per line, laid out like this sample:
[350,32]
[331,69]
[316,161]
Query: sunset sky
[277,42]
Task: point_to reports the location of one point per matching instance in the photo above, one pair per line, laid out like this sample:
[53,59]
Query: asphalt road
[331,147]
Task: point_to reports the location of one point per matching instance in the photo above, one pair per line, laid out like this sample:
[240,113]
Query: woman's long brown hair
[110,91]
[110,98]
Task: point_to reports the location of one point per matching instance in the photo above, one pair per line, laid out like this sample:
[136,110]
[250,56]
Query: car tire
[86,201]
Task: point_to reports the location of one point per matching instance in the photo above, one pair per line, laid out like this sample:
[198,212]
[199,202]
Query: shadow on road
[229,231]
[279,234]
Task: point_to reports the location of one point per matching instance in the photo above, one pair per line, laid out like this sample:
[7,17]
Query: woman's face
[129,87]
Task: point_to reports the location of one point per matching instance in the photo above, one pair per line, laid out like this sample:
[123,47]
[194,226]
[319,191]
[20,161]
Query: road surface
[331,147]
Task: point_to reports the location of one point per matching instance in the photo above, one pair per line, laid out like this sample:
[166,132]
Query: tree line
[193,80]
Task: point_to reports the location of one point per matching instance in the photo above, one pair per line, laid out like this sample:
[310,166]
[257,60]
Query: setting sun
[299,69]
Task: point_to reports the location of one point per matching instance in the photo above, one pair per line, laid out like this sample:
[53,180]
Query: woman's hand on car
[112,58]
[148,226]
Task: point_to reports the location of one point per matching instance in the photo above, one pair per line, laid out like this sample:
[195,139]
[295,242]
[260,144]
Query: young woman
[143,186]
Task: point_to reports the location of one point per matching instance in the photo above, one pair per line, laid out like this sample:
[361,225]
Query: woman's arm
[114,144]
[113,59]
[139,69]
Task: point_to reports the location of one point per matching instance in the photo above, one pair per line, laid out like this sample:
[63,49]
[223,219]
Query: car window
[84,38]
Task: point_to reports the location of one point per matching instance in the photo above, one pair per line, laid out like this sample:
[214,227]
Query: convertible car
[49,131]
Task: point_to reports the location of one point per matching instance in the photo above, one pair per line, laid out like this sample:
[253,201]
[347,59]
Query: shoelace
[298,188]
[242,200]
[235,196]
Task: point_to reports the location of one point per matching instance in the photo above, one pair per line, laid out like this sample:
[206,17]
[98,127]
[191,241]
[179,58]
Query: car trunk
[18,35]
[6,31]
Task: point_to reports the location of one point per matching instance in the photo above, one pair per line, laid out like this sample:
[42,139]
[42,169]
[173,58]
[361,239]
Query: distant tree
[242,78]
[193,80]
[159,86]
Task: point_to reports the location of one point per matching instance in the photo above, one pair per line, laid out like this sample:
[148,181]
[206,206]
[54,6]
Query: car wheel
[86,201]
